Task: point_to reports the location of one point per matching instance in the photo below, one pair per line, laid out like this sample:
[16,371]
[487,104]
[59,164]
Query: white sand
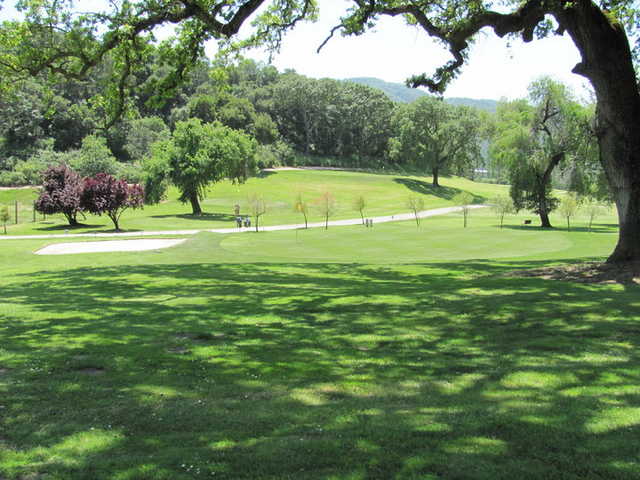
[109,246]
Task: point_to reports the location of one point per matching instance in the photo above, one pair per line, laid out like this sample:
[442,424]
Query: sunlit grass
[347,354]
[384,194]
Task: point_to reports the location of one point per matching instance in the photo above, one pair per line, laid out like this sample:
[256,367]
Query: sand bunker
[109,246]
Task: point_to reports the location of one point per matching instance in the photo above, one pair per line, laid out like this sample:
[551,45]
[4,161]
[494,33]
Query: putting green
[400,242]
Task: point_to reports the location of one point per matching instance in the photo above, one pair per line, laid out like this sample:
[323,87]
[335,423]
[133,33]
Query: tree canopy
[533,138]
[435,136]
[197,155]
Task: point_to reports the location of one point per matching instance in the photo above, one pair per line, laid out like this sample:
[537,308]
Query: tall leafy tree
[533,139]
[198,155]
[435,136]
[330,117]
[55,39]
[93,157]
[22,120]
[141,134]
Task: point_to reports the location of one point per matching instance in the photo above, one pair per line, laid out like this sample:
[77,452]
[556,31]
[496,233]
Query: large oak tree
[196,156]
[56,40]
[435,136]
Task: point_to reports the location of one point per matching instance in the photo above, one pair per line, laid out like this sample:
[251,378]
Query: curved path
[353,221]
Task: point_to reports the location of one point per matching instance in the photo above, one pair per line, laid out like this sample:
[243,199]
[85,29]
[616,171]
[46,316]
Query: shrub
[12,179]
[103,193]
[131,172]
[94,157]
[61,193]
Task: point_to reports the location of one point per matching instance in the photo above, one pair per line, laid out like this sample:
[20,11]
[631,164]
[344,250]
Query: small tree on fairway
[464,199]
[61,191]
[415,204]
[257,207]
[501,206]
[4,217]
[568,208]
[326,206]
[104,194]
[359,205]
[593,209]
[301,206]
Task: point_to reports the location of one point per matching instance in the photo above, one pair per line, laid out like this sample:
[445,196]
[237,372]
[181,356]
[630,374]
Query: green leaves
[197,155]
[431,134]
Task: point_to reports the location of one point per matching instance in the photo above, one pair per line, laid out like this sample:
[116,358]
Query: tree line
[533,144]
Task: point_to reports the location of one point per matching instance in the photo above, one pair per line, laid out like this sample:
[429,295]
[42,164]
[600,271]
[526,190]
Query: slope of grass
[384,194]
[24,198]
[250,356]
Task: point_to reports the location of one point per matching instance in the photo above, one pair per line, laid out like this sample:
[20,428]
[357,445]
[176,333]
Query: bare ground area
[591,272]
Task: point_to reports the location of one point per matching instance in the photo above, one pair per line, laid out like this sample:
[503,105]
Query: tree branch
[523,20]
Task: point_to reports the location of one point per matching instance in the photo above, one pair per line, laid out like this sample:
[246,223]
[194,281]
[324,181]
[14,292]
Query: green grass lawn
[384,194]
[388,353]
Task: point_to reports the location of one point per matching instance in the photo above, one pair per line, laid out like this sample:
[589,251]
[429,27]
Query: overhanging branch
[457,33]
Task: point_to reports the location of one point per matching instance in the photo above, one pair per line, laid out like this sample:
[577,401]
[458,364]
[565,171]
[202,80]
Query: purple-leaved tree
[61,191]
[103,193]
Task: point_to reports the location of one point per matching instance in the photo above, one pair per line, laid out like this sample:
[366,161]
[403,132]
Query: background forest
[295,120]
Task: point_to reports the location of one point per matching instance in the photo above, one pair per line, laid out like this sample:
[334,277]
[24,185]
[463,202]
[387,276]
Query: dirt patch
[592,272]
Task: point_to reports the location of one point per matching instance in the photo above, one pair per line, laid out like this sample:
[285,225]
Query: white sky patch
[394,51]
[109,246]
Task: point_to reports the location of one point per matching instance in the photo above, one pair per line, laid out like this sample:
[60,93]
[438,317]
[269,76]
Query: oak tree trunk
[543,184]
[544,220]
[435,171]
[607,63]
[195,204]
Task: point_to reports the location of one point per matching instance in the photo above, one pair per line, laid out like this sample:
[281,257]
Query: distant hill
[399,92]
[395,91]
[479,103]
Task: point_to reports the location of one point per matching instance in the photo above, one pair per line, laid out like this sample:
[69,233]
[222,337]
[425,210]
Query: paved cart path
[333,223]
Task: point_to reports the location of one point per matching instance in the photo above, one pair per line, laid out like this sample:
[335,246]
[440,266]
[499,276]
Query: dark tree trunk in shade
[606,62]
[195,204]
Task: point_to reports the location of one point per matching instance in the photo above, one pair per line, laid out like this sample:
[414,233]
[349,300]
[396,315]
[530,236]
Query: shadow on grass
[209,217]
[265,173]
[318,371]
[596,228]
[426,188]
[66,226]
